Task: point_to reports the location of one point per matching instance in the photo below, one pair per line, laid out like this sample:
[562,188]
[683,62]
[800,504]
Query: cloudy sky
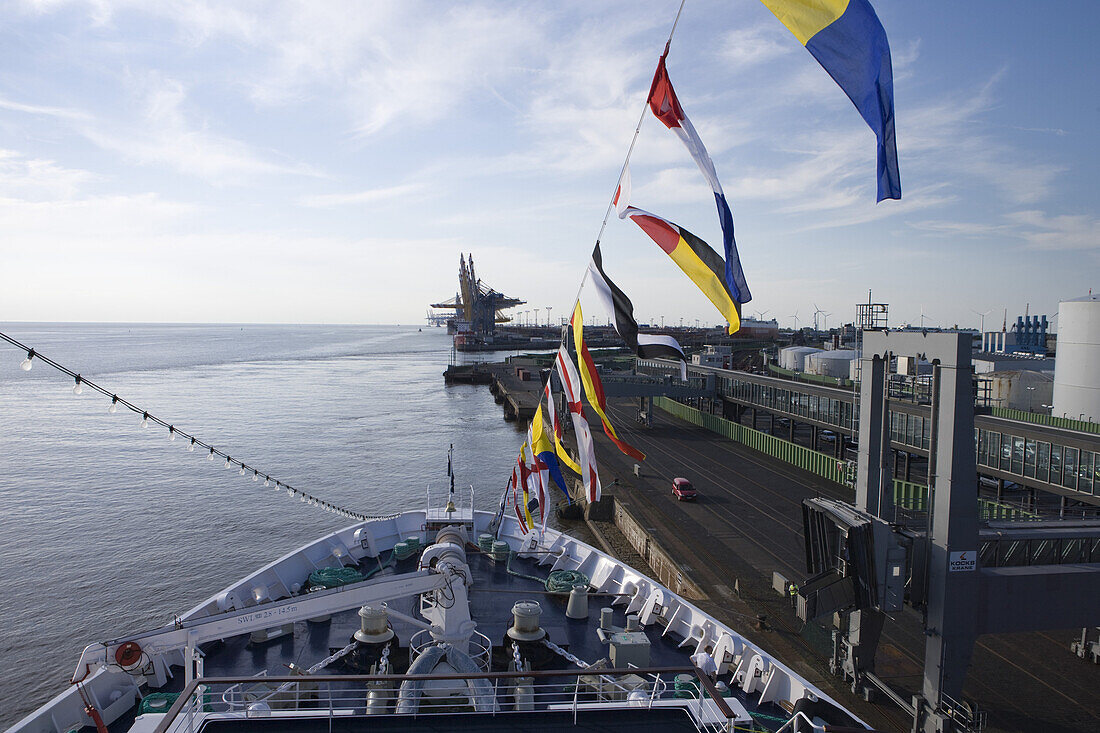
[328,161]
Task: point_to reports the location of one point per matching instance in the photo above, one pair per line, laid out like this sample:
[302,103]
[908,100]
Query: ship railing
[575,691]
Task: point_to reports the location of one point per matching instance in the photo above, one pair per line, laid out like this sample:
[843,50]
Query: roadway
[747,523]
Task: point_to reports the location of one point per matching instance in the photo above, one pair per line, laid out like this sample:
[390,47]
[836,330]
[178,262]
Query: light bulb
[267,481]
[228,462]
[290,492]
[241,472]
[145,420]
[26,364]
[171,433]
[255,475]
[191,446]
[303,499]
[114,405]
[211,456]
[77,389]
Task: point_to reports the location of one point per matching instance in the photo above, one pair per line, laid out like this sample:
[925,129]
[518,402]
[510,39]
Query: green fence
[911,496]
[809,460]
[1040,419]
[914,497]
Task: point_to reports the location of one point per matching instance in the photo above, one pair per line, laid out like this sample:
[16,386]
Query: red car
[683,490]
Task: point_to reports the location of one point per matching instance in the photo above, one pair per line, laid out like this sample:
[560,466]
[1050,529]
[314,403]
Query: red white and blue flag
[666,108]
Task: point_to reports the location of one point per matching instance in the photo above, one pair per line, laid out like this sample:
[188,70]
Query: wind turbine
[760,314]
[983,315]
[825,320]
[816,312]
[795,317]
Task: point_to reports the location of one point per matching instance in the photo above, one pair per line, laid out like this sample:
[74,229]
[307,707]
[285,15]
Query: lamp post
[548,309]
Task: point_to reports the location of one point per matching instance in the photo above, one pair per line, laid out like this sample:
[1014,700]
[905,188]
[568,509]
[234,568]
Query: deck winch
[525,622]
[374,626]
[372,639]
[527,634]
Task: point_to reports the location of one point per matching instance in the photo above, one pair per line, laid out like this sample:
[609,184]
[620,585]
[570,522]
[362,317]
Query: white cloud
[36,109]
[743,48]
[968,229]
[370,196]
[112,221]
[31,179]
[165,136]
[1062,232]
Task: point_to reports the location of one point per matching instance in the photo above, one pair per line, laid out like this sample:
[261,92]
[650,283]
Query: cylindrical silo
[835,363]
[1077,368]
[794,357]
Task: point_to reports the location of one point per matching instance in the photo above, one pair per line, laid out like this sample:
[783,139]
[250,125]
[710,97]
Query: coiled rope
[560,581]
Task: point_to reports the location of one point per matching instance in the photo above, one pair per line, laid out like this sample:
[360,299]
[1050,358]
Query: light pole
[548,309]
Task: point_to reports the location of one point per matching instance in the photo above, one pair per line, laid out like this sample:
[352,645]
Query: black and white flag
[646,346]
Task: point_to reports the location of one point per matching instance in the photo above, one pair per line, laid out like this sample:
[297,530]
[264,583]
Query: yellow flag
[593,387]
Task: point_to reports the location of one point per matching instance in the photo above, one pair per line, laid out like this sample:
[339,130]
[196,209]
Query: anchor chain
[579,662]
[517,660]
[384,661]
[331,658]
[320,665]
[568,656]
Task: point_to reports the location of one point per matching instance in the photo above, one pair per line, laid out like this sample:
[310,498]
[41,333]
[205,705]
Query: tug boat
[438,619]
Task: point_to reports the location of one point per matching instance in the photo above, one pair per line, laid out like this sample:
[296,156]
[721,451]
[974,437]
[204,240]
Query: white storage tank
[837,363]
[794,357]
[1077,368]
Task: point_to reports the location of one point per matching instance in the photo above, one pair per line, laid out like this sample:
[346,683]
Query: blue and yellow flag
[847,39]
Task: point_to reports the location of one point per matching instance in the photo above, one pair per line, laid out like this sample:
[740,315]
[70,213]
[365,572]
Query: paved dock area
[747,523]
[519,397]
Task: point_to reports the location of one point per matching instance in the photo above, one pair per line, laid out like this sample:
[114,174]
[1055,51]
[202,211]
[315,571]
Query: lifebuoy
[128,654]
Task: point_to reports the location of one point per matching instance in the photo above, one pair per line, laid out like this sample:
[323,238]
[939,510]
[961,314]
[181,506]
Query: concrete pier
[517,388]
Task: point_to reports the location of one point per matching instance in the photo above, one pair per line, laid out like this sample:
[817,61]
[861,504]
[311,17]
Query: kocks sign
[963,561]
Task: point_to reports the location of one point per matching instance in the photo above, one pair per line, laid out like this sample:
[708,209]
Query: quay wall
[660,561]
[643,539]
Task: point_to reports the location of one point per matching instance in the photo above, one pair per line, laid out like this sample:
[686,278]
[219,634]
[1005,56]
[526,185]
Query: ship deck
[493,592]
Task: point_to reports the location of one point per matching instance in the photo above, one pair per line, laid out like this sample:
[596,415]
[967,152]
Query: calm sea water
[106,527]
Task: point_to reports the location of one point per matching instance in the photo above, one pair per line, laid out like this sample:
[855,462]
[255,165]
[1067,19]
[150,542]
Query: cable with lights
[192,441]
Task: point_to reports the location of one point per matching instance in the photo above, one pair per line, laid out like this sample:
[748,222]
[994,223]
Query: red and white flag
[571,382]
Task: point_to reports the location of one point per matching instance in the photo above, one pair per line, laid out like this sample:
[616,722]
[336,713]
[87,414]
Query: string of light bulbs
[193,442]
